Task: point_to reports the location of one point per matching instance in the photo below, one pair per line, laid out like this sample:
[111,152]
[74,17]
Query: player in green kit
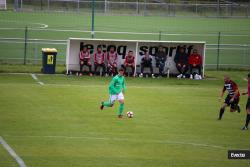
[116,91]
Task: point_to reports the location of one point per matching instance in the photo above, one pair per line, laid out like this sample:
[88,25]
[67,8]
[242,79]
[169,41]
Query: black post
[218,51]
[218,8]
[93,20]
[160,36]
[41,7]
[138,7]
[17,6]
[169,8]
[25,45]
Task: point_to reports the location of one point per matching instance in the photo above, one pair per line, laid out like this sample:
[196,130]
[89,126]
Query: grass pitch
[61,26]
[60,124]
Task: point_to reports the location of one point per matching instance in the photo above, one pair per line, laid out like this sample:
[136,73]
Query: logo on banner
[50,59]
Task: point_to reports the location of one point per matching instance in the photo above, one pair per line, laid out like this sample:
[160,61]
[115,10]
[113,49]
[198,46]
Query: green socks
[106,104]
[121,108]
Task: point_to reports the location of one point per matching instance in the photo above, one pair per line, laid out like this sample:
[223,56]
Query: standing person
[160,58]
[146,61]
[129,62]
[116,92]
[181,61]
[232,98]
[245,127]
[195,62]
[112,61]
[99,58]
[85,60]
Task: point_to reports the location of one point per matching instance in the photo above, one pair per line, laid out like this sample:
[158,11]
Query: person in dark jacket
[160,58]
[146,61]
[181,61]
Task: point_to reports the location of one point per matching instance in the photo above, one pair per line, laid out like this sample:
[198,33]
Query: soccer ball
[130,114]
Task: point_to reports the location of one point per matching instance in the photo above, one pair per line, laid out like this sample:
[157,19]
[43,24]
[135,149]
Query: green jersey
[117,85]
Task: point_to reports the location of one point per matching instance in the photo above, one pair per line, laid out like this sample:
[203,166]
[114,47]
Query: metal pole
[48,5]
[160,36]
[218,8]
[247,10]
[169,8]
[78,5]
[245,54]
[21,5]
[41,4]
[25,45]
[15,5]
[105,6]
[136,54]
[218,51]
[196,7]
[35,53]
[93,20]
[137,7]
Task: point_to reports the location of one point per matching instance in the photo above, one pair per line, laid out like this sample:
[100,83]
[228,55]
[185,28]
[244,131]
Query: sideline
[125,139]
[12,153]
[36,79]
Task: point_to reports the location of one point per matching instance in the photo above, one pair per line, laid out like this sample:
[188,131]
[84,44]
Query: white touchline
[127,139]
[12,153]
[41,83]
[36,79]
[40,25]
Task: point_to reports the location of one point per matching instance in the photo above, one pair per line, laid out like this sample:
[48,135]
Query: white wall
[138,47]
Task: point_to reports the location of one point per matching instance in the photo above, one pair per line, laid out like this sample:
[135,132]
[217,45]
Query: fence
[229,49]
[138,7]
[28,51]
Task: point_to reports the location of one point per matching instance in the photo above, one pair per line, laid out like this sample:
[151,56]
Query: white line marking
[12,153]
[36,79]
[41,83]
[41,25]
[142,33]
[45,26]
[130,86]
[125,139]
[245,79]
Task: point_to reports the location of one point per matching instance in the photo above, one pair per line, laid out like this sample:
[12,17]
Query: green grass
[60,124]
[10,68]
[6,159]
[196,27]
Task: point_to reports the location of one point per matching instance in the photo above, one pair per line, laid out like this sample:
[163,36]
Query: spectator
[99,58]
[112,61]
[146,61]
[129,62]
[160,58]
[181,61]
[85,60]
[195,62]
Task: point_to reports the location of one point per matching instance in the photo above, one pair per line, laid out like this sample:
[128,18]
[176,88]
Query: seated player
[232,98]
[129,62]
[85,60]
[160,59]
[112,61]
[99,58]
[146,61]
[195,62]
[181,61]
